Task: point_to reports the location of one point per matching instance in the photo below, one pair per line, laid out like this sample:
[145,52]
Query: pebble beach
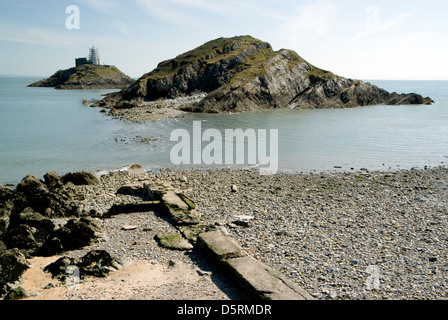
[355,236]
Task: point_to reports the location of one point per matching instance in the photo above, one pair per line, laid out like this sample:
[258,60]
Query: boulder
[30,184]
[5,213]
[58,267]
[53,180]
[34,219]
[12,266]
[53,246]
[75,234]
[5,194]
[49,201]
[30,230]
[21,237]
[32,204]
[96,263]
[7,207]
[17,294]
[81,178]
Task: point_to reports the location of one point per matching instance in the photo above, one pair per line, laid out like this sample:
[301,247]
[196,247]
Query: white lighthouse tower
[94,57]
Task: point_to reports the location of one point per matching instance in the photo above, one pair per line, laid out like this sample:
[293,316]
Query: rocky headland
[242,74]
[87,76]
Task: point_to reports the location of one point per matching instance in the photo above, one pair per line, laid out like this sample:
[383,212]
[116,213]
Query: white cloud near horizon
[104,6]
[370,31]
[413,39]
[37,36]
[317,17]
[124,28]
[174,10]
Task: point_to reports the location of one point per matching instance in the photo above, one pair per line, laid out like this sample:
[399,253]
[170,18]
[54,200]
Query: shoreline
[253,168]
[325,232]
[149,111]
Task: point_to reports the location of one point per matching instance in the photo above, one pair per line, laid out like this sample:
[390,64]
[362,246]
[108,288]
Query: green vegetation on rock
[244,74]
[209,53]
[87,77]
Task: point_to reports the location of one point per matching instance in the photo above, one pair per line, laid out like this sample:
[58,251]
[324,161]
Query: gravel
[355,236]
[157,110]
[364,235]
[152,272]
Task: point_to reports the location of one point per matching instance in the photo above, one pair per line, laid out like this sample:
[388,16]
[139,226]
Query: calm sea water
[43,129]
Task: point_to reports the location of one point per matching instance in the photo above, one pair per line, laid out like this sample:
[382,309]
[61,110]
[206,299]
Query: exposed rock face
[87,77]
[12,265]
[51,199]
[30,231]
[242,74]
[75,234]
[26,213]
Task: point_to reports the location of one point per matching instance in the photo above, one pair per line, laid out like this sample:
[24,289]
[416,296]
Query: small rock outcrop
[96,263]
[87,77]
[51,198]
[26,214]
[75,234]
[28,227]
[244,74]
[30,231]
[81,178]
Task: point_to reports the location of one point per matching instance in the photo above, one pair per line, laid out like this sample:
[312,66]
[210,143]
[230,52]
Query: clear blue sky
[373,39]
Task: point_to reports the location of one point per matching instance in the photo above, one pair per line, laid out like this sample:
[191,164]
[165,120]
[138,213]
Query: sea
[44,129]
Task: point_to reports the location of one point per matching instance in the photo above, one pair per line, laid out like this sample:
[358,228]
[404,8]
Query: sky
[376,39]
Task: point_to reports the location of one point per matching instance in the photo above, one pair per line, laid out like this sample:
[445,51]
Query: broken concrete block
[218,246]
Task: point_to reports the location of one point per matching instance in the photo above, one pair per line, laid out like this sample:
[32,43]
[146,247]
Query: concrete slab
[143,206]
[260,282]
[218,246]
[174,206]
[172,199]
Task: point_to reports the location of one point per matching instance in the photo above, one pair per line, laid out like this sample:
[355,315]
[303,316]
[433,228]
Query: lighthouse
[94,57]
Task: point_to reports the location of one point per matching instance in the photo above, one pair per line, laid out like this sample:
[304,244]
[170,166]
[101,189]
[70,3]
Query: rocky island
[87,76]
[242,74]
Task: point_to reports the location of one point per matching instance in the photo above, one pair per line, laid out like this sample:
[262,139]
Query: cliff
[244,73]
[87,77]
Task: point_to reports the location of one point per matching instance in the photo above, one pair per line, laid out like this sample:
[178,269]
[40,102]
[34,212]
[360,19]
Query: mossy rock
[87,77]
[191,232]
[187,200]
[16,294]
[173,241]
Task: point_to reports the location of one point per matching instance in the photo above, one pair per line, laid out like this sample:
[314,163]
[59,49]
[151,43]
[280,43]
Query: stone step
[143,206]
[177,206]
[256,280]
